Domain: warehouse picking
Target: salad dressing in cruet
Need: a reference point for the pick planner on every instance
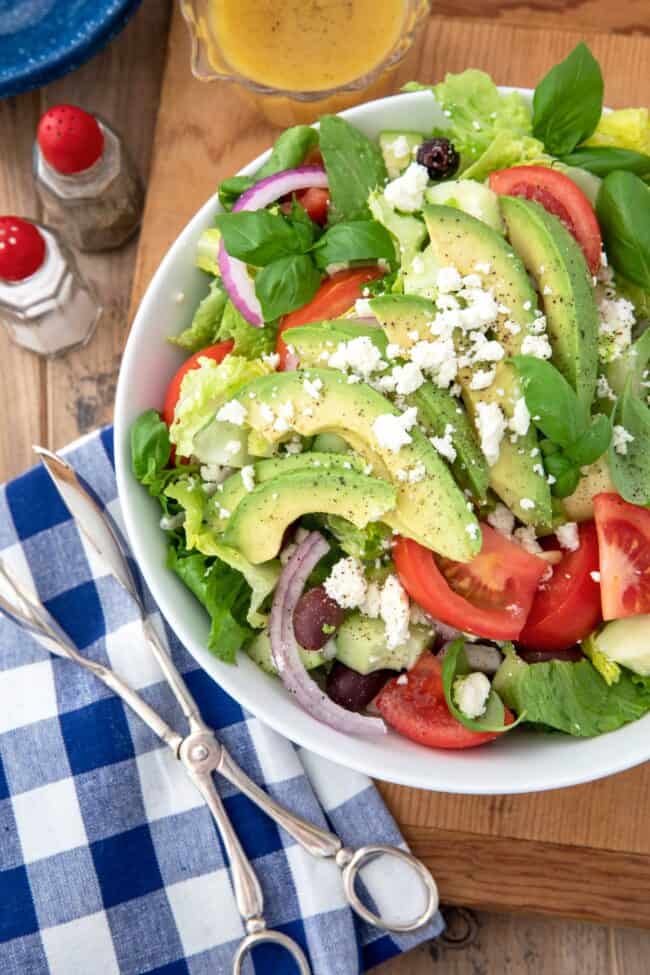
(305, 45)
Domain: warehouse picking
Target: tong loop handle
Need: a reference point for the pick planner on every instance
(274, 937)
(352, 862)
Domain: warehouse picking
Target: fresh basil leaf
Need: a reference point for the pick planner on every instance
(355, 166)
(358, 240)
(454, 665)
(568, 102)
(223, 592)
(259, 237)
(286, 284)
(602, 160)
(150, 451)
(623, 210)
(592, 443)
(566, 481)
(551, 401)
(631, 470)
(289, 151)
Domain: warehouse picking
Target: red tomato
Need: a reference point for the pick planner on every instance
(315, 200)
(332, 299)
(490, 596)
(216, 352)
(624, 546)
(567, 607)
(418, 710)
(560, 196)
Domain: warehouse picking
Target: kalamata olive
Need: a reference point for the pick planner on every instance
(352, 690)
(315, 618)
(571, 654)
(439, 156)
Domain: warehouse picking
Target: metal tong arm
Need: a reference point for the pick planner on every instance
(95, 526)
(21, 607)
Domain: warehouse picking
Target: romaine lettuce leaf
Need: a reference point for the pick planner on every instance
(207, 250)
(570, 697)
(249, 341)
(204, 390)
(200, 536)
(507, 150)
(628, 128)
(204, 327)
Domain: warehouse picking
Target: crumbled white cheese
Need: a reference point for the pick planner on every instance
(395, 612)
(371, 605)
(267, 413)
(313, 387)
(391, 430)
(408, 378)
(527, 504)
(471, 694)
(402, 680)
(448, 279)
(483, 267)
(491, 425)
(232, 412)
(272, 359)
(615, 331)
(620, 438)
(603, 389)
(568, 537)
(485, 350)
(417, 474)
(346, 584)
(360, 355)
(214, 473)
(406, 193)
(399, 147)
(482, 378)
(445, 445)
(502, 520)
(170, 523)
(526, 538)
(417, 264)
(362, 308)
(285, 416)
(520, 419)
(536, 345)
(248, 477)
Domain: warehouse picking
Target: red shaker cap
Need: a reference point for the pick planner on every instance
(22, 248)
(70, 139)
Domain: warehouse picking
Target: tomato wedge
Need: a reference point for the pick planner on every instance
(490, 596)
(334, 297)
(418, 710)
(216, 352)
(567, 607)
(624, 546)
(315, 201)
(558, 194)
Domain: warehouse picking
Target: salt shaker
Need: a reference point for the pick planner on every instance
(90, 189)
(45, 304)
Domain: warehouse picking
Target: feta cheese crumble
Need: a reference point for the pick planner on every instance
(615, 329)
(406, 193)
(346, 583)
(391, 430)
(567, 536)
(520, 419)
(445, 445)
(248, 477)
(360, 355)
(491, 424)
(536, 345)
(471, 694)
(620, 438)
(313, 387)
(502, 520)
(448, 279)
(232, 412)
(395, 612)
(527, 504)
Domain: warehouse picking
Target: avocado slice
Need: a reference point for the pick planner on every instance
(421, 273)
(233, 489)
(433, 510)
(557, 265)
(438, 410)
(408, 231)
(474, 198)
(402, 316)
(312, 343)
(460, 241)
(258, 523)
(259, 650)
(361, 645)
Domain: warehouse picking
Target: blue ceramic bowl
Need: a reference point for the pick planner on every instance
(40, 40)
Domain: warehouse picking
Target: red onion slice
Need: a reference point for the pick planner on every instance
(284, 648)
(236, 279)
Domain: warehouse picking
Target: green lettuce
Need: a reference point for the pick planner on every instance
(370, 542)
(507, 150)
(628, 128)
(207, 250)
(204, 390)
(250, 341)
(570, 697)
(204, 328)
(261, 579)
(476, 112)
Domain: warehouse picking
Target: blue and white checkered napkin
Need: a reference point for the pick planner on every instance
(109, 861)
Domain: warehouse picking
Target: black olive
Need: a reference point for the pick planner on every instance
(439, 156)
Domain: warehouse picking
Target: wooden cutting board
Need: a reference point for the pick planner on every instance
(582, 852)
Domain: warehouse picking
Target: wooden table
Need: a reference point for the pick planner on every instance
(52, 402)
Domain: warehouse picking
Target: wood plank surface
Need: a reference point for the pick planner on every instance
(498, 852)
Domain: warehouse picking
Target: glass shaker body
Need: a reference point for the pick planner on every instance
(98, 208)
(53, 310)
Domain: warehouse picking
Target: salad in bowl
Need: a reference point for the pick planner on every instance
(405, 464)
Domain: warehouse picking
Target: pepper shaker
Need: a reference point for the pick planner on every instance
(90, 189)
(45, 304)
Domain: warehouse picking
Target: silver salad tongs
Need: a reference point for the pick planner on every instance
(199, 751)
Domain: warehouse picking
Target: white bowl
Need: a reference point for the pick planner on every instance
(519, 762)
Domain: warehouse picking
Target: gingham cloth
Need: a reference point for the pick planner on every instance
(109, 861)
